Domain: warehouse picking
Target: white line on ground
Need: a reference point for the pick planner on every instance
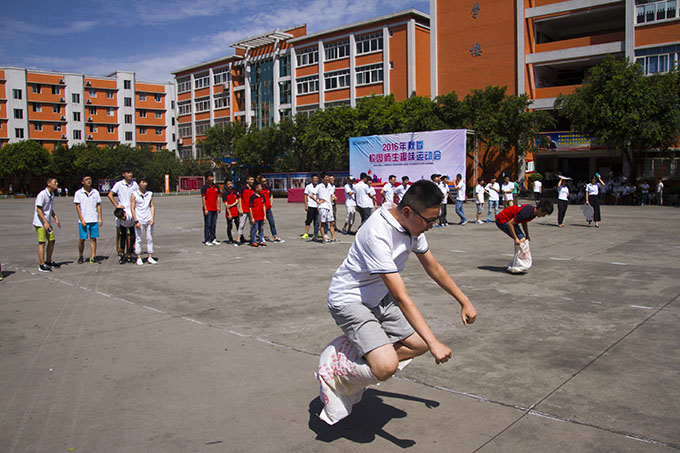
(559, 259)
(619, 264)
(507, 254)
(642, 307)
(458, 251)
(595, 302)
(567, 298)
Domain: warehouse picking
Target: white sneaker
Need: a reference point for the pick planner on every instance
(216, 242)
(140, 262)
(151, 260)
(479, 222)
(208, 243)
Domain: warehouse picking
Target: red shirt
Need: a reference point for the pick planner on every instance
(245, 199)
(211, 194)
(267, 194)
(230, 197)
(257, 206)
(519, 213)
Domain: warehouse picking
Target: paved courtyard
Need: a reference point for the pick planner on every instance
(215, 348)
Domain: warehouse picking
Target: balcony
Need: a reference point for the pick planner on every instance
(580, 42)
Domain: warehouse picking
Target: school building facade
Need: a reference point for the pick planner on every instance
(544, 48)
(64, 109)
(285, 73)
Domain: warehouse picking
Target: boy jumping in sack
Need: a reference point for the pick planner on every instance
(367, 298)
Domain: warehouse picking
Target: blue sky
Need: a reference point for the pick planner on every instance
(155, 37)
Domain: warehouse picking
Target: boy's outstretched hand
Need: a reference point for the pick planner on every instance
(441, 352)
(468, 314)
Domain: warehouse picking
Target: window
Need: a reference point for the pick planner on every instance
(56, 108)
(184, 130)
(158, 97)
(307, 56)
(128, 119)
(221, 102)
(159, 131)
(128, 136)
(285, 113)
(56, 89)
(92, 110)
(109, 94)
(76, 116)
(284, 92)
(658, 59)
(142, 96)
(221, 122)
(128, 102)
(57, 127)
(650, 11)
(174, 138)
(338, 49)
(308, 84)
(172, 120)
(201, 80)
(37, 107)
(142, 113)
(37, 126)
(93, 128)
(202, 104)
(221, 76)
(142, 131)
(77, 134)
(19, 132)
(370, 74)
(127, 84)
(337, 79)
(183, 85)
(16, 94)
(284, 66)
(110, 129)
(110, 111)
(18, 114)
(184, 107)
(36, 88)
(92, 93)
(75, 98)
(201, 127)
(369, 43)
(158, 115)
(172, 104)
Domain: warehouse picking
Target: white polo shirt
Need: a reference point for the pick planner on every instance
(350, 200)
(381, 246)
(479, 194)
(45, 200)
(311, 189)
(493, 194)
(563, 193)
(325, 192)
(537, 186)
(88, 204)
(445, 191)
(593, 189)
(460, 196)
(399, 191)
(143, 205)
(509, 187)
(389, 193)
(361, 191)
(124, 191)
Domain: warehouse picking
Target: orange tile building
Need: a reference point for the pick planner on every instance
(67, 109)
(285, 73)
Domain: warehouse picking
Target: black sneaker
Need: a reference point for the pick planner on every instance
(52, 264)
(122, 259)
(80, 260)
(44, 268)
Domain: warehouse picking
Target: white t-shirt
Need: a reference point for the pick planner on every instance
(388, 189)
(325, 192)
(593, 189)
(311, 189)
(460, 196)
(563, 193)
(143, 205)
(659, 187)
(537, 186)
(493, 194)
(445, 191)
(124, 191)
(399, 191)
(45, 200)
(479, 194)
(361, 191)
(88, 204)
(350, 197)
(381, 246)
(510, 186)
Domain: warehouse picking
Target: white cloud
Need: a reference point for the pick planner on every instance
(18, 27)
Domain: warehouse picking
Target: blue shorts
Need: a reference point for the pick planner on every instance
(91, 229)
(505, 228)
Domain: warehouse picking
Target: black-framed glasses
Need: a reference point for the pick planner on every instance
(429, 222)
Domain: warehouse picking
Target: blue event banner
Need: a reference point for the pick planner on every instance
(414, 154)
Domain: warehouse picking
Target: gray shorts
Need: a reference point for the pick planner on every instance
(369, 328)
(480, 208)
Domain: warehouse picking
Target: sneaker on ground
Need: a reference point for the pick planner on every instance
(479, 222)
(253, 244)
(151, 260)
(208, 243)
(278, 239)
(304, 236)
(263, 244)
(92, 260)
(122, 260)
(318, 236)
(44, 268)
(216, 242)
(139, 261)
(326, 241)
(52, 264)
(343, 231)
(464, 223)
(80, 260)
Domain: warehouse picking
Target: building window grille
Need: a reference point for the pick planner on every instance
(202, 80)
(307, 85)
(307, 56)
(367, 75)
(338, 79)
(337, 50)
(369, 43)
(183, 85)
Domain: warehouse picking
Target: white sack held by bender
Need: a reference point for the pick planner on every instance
(521, 262)
(343, 376)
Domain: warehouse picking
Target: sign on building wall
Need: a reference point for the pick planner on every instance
(413, 154)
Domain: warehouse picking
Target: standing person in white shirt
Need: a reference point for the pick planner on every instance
(143, 213)
(387, 192)
(507, 188)
(562, 200)
(42, 212)
(123, 190)
(479, 199)
(365, 199)
(494, 190)
(89, 210)
(350, 205)
(331, 181)
(659, 191)
(311, 208)
(538, 189)
(644, 188)
(460, 198)
(325, 194)
(446, 190)
(401, 189)
(593, 199)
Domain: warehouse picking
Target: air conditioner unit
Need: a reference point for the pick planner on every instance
(89, 101)
(89, 119)
(63, 136)
(88, 83)
(61, 100)
(61, 81)
(89, 137)
(225, 85)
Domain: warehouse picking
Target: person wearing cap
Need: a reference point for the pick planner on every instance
(350, 205)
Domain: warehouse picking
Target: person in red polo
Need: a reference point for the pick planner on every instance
(211, 207)
(268, 202)
(232, 203)
(257, 216)
(246, 192)
(510, 219)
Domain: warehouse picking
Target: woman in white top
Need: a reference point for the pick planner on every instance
(593, 198)
(562, 201)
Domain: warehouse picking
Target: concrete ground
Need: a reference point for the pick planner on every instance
(215, 348)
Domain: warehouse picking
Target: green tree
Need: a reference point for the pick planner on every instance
(24, 160)
(418, 113)
(220, 141)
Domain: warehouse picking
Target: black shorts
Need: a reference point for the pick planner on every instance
(311, 215)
